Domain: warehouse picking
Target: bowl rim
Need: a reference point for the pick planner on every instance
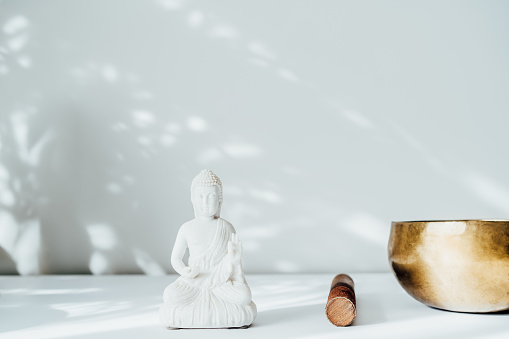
(451, 220)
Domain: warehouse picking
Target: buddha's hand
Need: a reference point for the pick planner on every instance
(234, 249)
(190, 272)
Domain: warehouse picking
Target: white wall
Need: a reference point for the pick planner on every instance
(325, 120)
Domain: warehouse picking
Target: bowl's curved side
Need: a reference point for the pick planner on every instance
(459, 266)
(404, 241)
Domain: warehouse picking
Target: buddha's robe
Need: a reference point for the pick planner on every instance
(214, 298)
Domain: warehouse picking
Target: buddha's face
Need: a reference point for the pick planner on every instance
(205, 201)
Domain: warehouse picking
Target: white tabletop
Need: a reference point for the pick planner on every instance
(289, 306)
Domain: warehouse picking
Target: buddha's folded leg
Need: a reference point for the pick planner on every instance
(234, 292)
(224, 312)
(180, 292)
(180, 301)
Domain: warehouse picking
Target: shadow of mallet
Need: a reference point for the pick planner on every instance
(340, 308)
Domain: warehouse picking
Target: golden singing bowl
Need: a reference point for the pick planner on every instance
(456, 265)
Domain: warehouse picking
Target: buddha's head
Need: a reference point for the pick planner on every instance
(207, 195)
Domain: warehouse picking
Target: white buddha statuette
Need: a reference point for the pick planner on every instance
(211, 291)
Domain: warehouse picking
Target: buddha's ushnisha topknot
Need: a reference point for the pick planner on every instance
(208, 178)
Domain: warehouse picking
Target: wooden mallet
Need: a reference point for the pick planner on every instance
(340, 308)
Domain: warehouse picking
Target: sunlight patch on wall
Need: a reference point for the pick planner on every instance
(109, 73)
(25, 61)
(367, 227)
(113, 188)
(418, 146)
(19, 125)
(242, 150)
(288, 75)
(196, 124)
(15, 24)
(224, 31)
(358, 119)
(261, 50)
(195, 19)
(487, 190)
(20, 130)
(167, 140)
(35, 153)
(170, 5)
(143, 118)
(101, 236)
(128, 179)
(265, 195)
(7, 197)
(119, 127)
(147, 264)
(26, 252)
(17, 43)
(98, 263)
